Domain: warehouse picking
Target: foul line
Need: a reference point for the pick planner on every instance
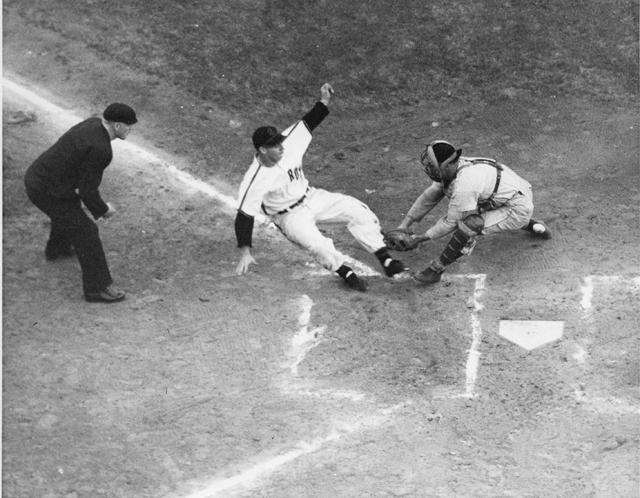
(261, 468)
(69, 119)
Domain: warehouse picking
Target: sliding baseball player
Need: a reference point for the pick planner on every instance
(275, 185)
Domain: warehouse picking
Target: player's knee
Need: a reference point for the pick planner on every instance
(474, 222)
(357, 213)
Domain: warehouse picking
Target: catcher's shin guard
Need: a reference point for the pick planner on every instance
(461, 243)
(463, 237)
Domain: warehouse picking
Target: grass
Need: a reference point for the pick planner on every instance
(248, 53)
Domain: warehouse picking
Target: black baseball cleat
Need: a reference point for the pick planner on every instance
(538, 229)
(428, 276)
(106, 295)
(355, 283)
(393, 267)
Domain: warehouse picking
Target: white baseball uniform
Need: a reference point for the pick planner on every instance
(283, 193)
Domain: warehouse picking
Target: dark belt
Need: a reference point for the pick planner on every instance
(296, 204)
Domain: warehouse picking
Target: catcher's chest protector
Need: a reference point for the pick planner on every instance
(488, 204)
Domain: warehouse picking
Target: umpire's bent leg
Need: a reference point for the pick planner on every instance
(82, 232)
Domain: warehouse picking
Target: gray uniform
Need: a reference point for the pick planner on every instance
(510, 207)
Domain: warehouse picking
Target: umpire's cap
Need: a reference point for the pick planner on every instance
(267, 136)
(120, 113)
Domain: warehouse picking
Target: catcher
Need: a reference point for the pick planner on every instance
(485, 197)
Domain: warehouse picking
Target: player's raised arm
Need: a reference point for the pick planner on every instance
(327, 92)
(320, 111)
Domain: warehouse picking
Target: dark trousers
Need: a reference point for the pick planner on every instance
(70, 226)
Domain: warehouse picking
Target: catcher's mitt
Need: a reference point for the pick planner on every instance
(400, 239)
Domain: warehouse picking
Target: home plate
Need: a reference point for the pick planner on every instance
(530, 334)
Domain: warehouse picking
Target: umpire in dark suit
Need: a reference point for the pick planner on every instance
(68, 174)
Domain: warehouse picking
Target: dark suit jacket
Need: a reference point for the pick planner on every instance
(72, 168)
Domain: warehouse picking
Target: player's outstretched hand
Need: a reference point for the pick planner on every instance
(110, 211)
(245, 260)
(327, 92)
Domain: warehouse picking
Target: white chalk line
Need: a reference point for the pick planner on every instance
(609, 404)
(249, 476)
(262, 468)
(474, 352)
(606, 405)
(304, 340)
(473, 358)
(588, 286)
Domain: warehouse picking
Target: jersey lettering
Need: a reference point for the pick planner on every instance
(294, 174)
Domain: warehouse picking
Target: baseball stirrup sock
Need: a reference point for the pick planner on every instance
(344, 271)
(382, 255)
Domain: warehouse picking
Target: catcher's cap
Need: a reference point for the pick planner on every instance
(440, 153)
(267, 136)
(120, 113)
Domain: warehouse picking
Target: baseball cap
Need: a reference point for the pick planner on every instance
(267, 136)
(120, 113)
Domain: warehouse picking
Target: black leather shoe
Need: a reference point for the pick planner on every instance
(393, 267)
(538, 229)
(355, 283)
(428, 276)
(106, 295)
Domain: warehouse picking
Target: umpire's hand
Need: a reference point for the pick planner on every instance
(110, 212)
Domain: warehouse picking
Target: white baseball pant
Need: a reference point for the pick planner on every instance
(299, 225)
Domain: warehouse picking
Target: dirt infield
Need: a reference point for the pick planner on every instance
(282, 383)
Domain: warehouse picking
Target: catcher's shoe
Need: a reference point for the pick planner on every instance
(539, 229)
(393, 267)
(355, 283)
(428, 276)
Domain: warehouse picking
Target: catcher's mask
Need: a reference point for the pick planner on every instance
(439, 159)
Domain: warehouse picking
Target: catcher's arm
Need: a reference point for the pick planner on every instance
(423, 205)
(402, 237)
(419, 239)
(406, 223)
